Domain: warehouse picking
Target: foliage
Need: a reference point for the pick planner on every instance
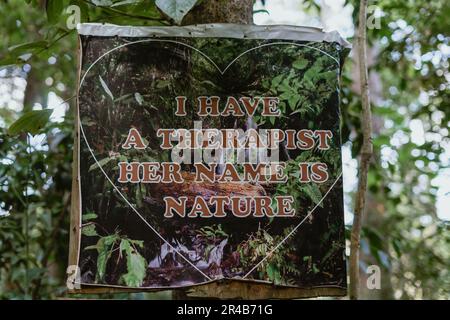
(35, 184)
(280, 267)
(298, 89)
(31, 122)
(410, 85)
(106, 246)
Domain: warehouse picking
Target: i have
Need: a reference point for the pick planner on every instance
(238, 107)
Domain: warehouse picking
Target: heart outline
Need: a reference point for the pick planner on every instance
(222, 72)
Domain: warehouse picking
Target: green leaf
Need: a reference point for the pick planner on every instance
(374, 237)
(89, 216)
(315, 269)
(54, 9)
(32, 122)
(139, 243)
(300, 64)
(293, 100)
(313, 192)
(272, 120)
(161, 84)
(89, 230)
(124, 97)
(276, 81)
(285, 86)
(176, 9)
(139, 98)
(136, 264)
(109, 240)
(397, 247)
(124, 2)
(125, 245)
(102, 3)
(102, 260)
(106, 88)
(27, 47)
(104, 248)
(274, 273)
(136, 267)
(91, 247)
(100, 163)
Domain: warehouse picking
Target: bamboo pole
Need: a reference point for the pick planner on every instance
(366, 151)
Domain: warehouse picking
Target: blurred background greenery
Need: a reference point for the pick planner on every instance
(406, 228)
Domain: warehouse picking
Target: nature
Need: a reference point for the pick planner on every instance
(405, 227)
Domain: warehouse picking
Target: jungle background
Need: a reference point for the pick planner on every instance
(406, 225)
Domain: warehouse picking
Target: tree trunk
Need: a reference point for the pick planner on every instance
(221, 11)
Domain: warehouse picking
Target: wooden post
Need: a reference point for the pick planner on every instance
(74, 237)
(366, 151)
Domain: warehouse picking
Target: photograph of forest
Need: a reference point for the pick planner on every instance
(134, 86)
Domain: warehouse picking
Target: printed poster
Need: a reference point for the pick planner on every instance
(210, 152)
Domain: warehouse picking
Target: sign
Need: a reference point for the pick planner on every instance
(206, 153)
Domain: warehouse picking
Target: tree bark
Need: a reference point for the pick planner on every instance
(221, 11)
(366, 152)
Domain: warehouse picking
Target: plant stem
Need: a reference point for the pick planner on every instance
(366, 152)
(27, 238)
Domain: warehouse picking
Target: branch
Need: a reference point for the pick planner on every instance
(366, 152)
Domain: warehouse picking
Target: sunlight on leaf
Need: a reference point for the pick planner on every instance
(106, 88)
(31, 122)
(176, 9)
